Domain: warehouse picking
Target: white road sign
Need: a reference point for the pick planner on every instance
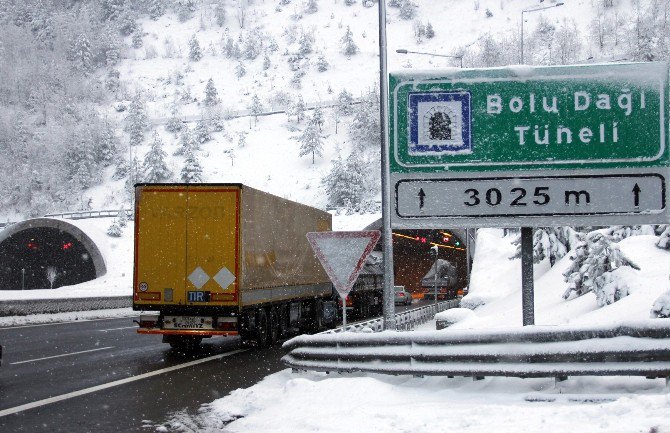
(342, 255)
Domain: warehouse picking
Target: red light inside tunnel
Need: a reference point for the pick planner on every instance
(67, 246)
(32, 245)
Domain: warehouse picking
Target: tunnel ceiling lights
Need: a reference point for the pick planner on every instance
(423, 240)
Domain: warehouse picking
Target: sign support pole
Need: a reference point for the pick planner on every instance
(344, 313)
(527, 284)
(387, 236)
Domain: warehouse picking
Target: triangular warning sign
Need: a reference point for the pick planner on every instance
(342, 255)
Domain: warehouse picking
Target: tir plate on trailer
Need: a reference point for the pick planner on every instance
(187, 322)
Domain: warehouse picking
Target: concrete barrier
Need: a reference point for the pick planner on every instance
(48, 306)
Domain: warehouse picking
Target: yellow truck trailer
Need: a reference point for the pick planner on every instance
(227, 259)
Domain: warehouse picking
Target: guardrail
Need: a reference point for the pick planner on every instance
(404, 321)
(630, 349)
(79, 215)
(25, 307)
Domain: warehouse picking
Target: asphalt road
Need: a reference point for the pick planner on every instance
(102, 376)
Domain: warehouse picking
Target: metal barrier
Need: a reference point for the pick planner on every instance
(630, 349)
(79, 215)
(404, 321)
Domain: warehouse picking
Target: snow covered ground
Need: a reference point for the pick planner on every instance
(316, 402)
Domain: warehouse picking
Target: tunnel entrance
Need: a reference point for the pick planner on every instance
(413, 257)
(43, 254)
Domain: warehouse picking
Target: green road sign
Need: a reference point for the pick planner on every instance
(524, 128)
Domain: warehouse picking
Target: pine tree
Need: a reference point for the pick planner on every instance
(126, 22)
(311, 7)
(82, 56)
(407, 9)
(106, 145)
(311, 141)
(317, 118)
(122, 218)
(349, 47)
(194, 51)
(256, 107)
(298, 108)
(266, 63)
(345, 183)
(220, 13)
(192, 170)
(344, 103)
(136, 120)
(322, 64)
(201, 133)
(240, 70)
(114, 230)
(156, 9)
(211, 95)
(154, 167)
(305, 44)
(430, 32)
(186, 142)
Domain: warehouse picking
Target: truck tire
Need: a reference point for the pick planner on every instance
(261, 329)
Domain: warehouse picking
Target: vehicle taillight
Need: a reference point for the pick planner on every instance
(401, 294)
(226, 324)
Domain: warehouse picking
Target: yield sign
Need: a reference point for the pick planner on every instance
(342, 255)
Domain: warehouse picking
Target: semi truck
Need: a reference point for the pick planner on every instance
(226, 260)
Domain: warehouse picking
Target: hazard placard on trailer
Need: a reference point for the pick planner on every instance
(342, 255)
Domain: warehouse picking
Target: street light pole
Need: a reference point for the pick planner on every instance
(404, 51)
(533, 10)
(387, 238)
(435, 251)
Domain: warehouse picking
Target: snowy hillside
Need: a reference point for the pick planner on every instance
(113, 78)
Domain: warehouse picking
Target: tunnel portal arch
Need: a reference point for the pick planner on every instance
(412, 258)
(29, 248)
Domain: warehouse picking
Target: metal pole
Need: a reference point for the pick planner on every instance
(467, 255)
(344, 313)
(23, 278)
(522, 37)
(387, 236)
(527, 285)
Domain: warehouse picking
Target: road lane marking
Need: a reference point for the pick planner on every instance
(81, 392)
(6, 328)
(115, 329)
(61, 355)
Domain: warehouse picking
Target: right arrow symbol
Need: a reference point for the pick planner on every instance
(636, 191)
(422, 195)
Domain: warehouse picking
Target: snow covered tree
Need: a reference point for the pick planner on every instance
(430, 32)
(240, 70)
(82, 55)
(311, 7)
(592, 269)
(241, 139)
(211, 95)
(317, 118)
(256, 107)
(154, 167)
(194, 51)
(122, 218)
(106, 146)
(345, 184)
(184, 9)
(664, 240)
(136, 121)
(344, 103)
(550, 243)
(661, 307)
(305, 44)
(407, 9)
(364, 129)
(137, 40)
(201, 133)
(220, 13)
(192, 170)
(297, 108)
(266, 62)
(186, 142)
(349, 47)
(322, 64)
(311, 140)
(155, 8)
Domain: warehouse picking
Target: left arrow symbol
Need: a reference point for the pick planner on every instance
(422, 195)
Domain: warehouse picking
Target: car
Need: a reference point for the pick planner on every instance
(402, 296)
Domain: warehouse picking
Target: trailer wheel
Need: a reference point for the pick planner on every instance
(261, 329)
(273, 327)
